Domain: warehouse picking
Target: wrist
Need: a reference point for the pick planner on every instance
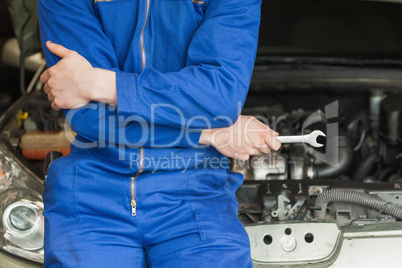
(205, 137)
(105, 89)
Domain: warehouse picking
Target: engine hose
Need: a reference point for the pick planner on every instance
(354, 197)
(345, 157)
(365, 166)
(386, 173)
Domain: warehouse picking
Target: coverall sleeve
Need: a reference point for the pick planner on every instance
(215, 81)
(74, 25)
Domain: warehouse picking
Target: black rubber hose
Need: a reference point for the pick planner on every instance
(345, 157)
(365, 166)
(386, 172)
(354, 197)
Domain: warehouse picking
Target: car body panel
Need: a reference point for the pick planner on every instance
(10, 261)
(356, 246)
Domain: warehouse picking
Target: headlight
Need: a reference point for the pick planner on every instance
(21, 207)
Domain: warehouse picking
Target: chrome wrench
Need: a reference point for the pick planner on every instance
(308, 138)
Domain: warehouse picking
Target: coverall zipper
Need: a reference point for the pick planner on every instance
(133, 202)
(142, 38)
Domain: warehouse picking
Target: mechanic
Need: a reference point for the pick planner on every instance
(154, 90)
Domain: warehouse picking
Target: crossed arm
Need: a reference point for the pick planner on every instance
(74, 81)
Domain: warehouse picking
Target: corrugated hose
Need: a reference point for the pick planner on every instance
(354, 197)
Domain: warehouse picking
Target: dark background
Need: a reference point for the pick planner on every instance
(8, 75)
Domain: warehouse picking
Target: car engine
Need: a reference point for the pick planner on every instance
(355, 178)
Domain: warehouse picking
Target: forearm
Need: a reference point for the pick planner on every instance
(208, 92)
(100, 123)
(57, 19)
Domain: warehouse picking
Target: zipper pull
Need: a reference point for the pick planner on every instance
(133, 203)
(133, 208)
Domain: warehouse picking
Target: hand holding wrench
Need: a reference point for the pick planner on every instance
(309, 138)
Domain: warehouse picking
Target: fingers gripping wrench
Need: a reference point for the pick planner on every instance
(309, 138)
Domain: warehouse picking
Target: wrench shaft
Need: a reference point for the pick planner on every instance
(290, 139)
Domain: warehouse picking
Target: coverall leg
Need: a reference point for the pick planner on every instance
(183, 218)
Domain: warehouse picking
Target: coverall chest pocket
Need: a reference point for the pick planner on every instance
(176, 21)
(199, 6)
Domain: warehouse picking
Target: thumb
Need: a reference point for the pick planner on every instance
(57, 50)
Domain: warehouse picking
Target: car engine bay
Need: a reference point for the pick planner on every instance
(362, 186)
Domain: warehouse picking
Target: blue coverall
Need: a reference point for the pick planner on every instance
(181, 66)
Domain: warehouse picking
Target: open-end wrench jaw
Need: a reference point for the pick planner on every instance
(312, 139)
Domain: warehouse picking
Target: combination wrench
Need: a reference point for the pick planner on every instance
(308, 138)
